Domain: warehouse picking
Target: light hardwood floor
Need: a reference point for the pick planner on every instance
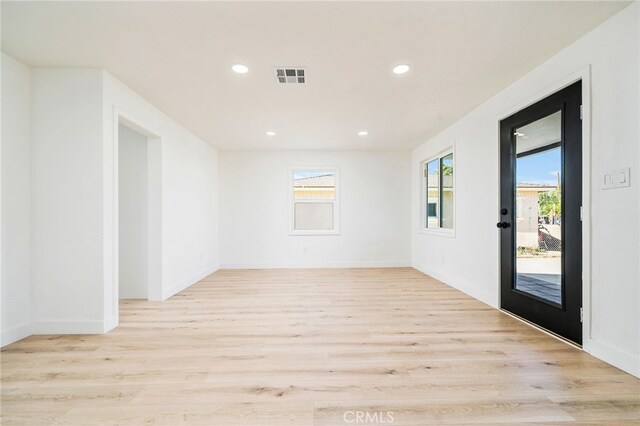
(304, 347)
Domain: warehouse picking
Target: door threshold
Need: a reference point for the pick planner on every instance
(544, 330)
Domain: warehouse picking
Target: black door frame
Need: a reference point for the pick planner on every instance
(566, 319)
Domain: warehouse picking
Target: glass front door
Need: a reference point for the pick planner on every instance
(538, 212)
(540, 215)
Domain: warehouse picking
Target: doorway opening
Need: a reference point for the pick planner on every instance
(133, 214)
(541, 213)
(139, 229)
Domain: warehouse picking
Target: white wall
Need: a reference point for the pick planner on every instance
(374, 201)
(133, 213)
(74, 199)
(16, 200)
(67, 200)
(470, 260)
(188, 178)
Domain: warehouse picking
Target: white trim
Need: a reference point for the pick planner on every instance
(465, 287)
(587, 206)
(134, 123)
(69, 327)
(623, 360)
(110, 323)
(583, 74)
(13, 334)
(154, 194)
(310, 233)
(154, 219)
(193, 279)
(441, 232)
(422, 229)
(335, 202)
(316, 265)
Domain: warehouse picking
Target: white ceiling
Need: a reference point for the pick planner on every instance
(178, 55)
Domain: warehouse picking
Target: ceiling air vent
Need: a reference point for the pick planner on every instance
(291, 75)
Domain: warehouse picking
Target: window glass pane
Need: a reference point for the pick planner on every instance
(314, 185)
(313, 216)
(433, 194)
(538, 193)
(446, 171)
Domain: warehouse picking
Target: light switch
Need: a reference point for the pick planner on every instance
(616, 178)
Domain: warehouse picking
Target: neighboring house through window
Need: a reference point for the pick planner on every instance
(438, 194)
(314, 202)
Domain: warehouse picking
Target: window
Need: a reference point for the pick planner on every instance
(433, 193)
(438, 195)
(314, 202)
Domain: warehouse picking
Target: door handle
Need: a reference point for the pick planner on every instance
(503, 225)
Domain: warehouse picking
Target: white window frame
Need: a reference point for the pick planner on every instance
(445, 232)
(335, 201)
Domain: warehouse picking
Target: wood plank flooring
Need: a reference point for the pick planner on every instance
(312, 347)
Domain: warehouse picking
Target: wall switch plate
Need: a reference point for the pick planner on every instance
(619, 178)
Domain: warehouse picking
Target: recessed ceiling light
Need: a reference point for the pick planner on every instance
(240, 69)
(401, 69)
(363, 133)
(270, 133)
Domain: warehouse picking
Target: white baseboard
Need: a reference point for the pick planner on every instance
(69, 327)
(315, 265)
(109, 324)
(177, 288)
(623, 360)
(13, 334)
(466, 288)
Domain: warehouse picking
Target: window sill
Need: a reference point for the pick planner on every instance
(309, 233)
(450, 233)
